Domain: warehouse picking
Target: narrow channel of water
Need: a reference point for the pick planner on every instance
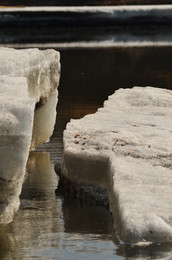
(52, 222)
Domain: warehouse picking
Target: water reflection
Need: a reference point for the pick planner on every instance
(152, 251)
(9, 198)
(38, 225)
(8, 245)
(103, 36)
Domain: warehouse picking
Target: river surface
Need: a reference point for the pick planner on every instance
(80, 2)
(52, 222)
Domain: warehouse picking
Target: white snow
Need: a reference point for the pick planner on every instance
(126, 147)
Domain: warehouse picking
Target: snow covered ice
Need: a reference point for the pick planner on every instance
(28, 83)
(126, 148)
(16, 123)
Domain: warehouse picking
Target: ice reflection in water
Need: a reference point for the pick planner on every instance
(8, 245)
(38, 225)
(154, 251)
(39, 230)
(9, 198)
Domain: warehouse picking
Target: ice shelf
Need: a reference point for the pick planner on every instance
(126, 148)
(16, 123)
(42, 71)
(41, 68)
(28, 84)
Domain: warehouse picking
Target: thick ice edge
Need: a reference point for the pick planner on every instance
(16, 123)
(42, 71)
(28, 84)
(126, 148)
(41, 68)
(108, 9)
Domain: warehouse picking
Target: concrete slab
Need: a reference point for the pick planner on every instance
(126, 148)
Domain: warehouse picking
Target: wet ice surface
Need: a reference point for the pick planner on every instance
(52, 223)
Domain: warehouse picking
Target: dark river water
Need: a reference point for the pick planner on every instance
(52, 222)
(80, 2)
